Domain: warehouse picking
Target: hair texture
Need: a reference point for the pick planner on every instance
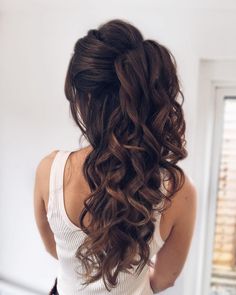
(124, 96)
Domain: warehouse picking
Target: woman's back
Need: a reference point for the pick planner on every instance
(58, 179)
(124, 96)
(65, 202)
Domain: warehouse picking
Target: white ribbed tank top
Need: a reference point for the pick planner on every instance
(68, 237)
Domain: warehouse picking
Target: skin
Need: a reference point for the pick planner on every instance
(176, 226)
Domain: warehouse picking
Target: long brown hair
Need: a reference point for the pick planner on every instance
(124, 96)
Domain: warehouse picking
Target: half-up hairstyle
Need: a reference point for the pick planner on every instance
(124, 96)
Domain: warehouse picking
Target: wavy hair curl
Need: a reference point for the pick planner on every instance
(124, 96)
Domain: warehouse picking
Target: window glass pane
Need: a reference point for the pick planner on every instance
(223, 278)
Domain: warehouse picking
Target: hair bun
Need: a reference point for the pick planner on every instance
(94, 33)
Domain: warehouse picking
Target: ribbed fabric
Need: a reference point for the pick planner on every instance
(68, 237)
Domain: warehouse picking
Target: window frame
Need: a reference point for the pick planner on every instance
(220, 92)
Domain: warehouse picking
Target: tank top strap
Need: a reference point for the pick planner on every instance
(159, 242)
(157, 232)
(56, 180)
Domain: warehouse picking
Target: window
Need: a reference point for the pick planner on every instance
(223, 270)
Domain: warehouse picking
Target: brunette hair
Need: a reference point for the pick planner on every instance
(124, 96)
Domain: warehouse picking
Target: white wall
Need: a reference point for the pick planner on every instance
(36, 39)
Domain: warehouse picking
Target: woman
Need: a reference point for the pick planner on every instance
(119, 214)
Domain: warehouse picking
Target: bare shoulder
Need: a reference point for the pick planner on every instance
(180, 223)
(42, 172)
(45, 163)
(185, 200)
(188, 192)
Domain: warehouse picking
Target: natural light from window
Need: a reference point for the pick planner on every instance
(223, 278)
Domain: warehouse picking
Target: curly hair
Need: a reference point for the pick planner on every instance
(124, 96)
